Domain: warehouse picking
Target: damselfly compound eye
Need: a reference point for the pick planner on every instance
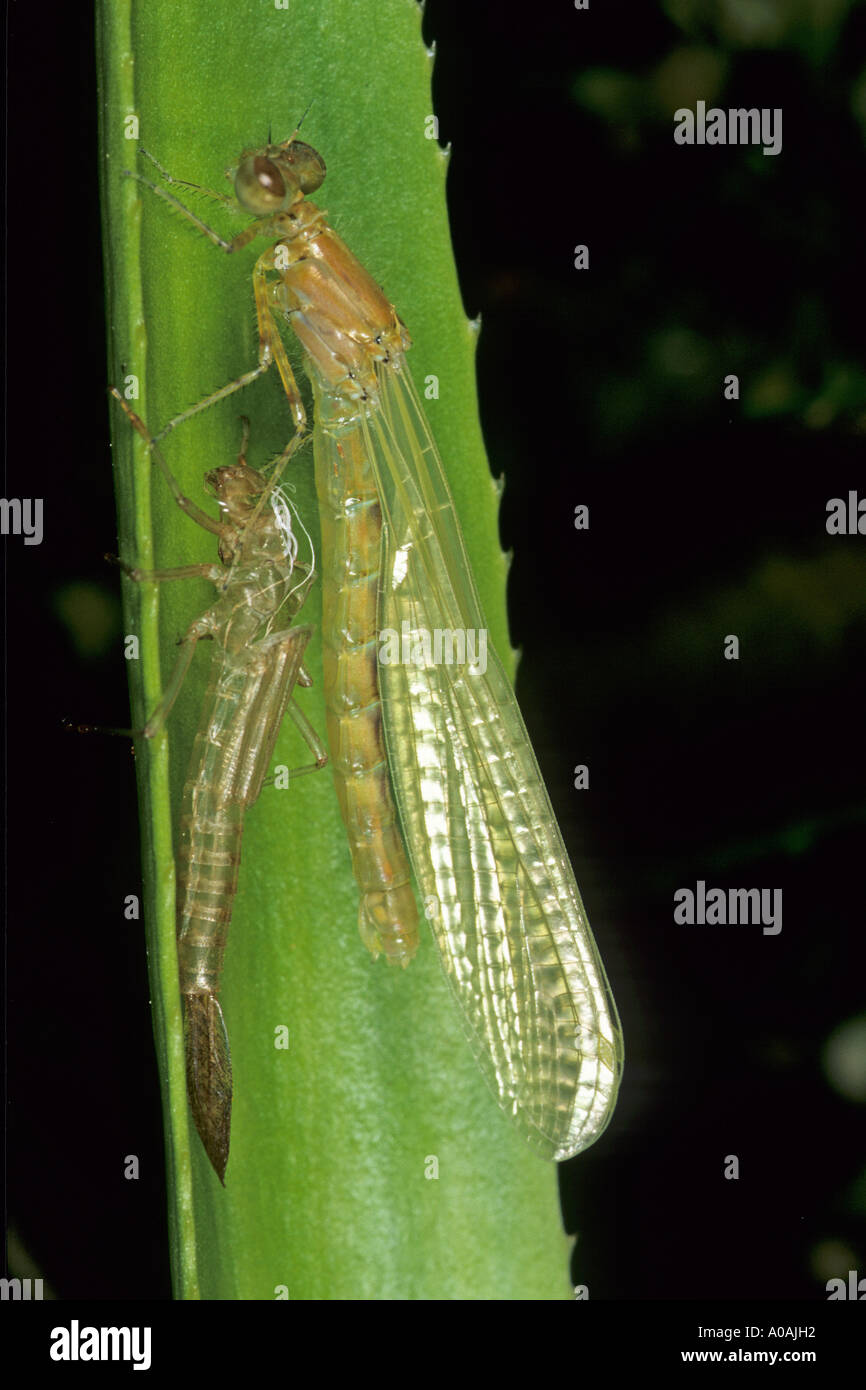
(260, 187)
(308, 166)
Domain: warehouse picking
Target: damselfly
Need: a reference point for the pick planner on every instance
(487, 854)
(261, 585)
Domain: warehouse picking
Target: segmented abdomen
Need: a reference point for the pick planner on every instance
(211, 827)
(351, 540)
(244, 707)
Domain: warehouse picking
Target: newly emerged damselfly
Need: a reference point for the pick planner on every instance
(257, 662)
(487, 854)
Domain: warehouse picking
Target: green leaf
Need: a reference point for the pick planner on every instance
(368, 1159)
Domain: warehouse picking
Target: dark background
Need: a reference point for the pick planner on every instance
(707, 517)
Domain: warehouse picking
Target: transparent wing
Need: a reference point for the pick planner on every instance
(485, 848)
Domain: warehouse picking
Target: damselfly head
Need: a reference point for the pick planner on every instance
(274, 179)
(235, 487)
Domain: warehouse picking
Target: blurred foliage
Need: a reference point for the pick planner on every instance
(812, 26)
(750, 234)
(91, 617)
